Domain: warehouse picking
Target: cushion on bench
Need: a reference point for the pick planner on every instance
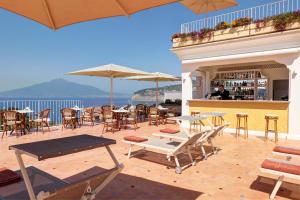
(133, 138)
(281, 167)
(170, 131)
(8, 176)
(288, 150)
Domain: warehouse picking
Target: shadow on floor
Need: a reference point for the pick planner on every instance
(126, 187)
(287, 190)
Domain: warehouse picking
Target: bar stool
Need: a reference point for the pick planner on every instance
(197, 124)
(217, 120)
(274, 118)
(239, 118)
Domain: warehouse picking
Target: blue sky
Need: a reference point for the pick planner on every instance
(31, 53)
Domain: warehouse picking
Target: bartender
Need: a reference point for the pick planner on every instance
(221, 93)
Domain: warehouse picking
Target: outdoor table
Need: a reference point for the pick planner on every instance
(46, 149)
(120, 113)
(24, 114)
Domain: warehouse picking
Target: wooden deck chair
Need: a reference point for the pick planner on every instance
(287, 152)
(86, 189)
(171, 148)
(184, 136)
(281, 168)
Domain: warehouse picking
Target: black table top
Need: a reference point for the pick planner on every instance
(62, 146)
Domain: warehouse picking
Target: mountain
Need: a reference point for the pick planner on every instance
(56, 88)
(151, 91)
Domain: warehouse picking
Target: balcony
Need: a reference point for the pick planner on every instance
(269, 18)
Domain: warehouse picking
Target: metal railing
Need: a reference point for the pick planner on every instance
(257, 12)
(39, 105)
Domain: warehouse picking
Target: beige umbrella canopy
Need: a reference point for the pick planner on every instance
(111, 71)
(205, 6)
(155, 77)
(59, 13)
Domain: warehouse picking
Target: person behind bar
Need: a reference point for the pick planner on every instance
(221, 93)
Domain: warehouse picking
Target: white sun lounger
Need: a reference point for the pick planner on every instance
(185, 136)
(171, 148)
(288, 156)
(281, 175)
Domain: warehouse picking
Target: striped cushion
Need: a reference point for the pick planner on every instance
(281, 166)
(288, 150)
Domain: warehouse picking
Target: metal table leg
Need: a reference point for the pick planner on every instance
(25, 176)
(113, 156)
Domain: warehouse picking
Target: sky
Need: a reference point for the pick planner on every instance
(31, 53)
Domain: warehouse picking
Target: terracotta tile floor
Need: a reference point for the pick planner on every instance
(231, 174)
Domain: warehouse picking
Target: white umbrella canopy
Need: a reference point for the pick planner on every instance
(205, 6)
(110, 71)
(56, 14)
(155, 77)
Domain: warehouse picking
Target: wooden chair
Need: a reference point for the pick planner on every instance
(170, 113)
(11, 120)
(153, 116)
(98, 113)
(68, 117)
(132, 119)
(42, 120)
(88, 115)
(141, 112)
(108, 120)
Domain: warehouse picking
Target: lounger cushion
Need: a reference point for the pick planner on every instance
(168, 130)
(288, 150)
(281, 167)
(133, 138)
(7, 177)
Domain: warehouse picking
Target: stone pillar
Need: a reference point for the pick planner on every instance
(187, 91)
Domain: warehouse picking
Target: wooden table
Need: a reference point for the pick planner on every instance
(46, 149)
(119, 114)
(24, 114)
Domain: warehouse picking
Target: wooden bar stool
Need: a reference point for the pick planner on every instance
(239, 118)
(274, 118)
(217, 120)
(195, 126)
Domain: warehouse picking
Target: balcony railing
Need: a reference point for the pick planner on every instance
(39, 105)
(257, 12)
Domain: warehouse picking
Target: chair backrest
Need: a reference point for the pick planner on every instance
(10, 115)
(107, 114)
(153, 111)
(44, 114)
(68, 112)
(97, 109)
(89, 111)
(106, 107)
(199, 137)
(140, 107)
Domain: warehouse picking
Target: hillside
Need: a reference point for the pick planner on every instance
(150, 91)
(56, 88)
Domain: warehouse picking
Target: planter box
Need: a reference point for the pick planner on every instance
(232, 33)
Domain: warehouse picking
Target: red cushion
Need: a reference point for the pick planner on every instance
(7, 176)
(135, 139)
(288, 150)
(168, 130)
(281, 166)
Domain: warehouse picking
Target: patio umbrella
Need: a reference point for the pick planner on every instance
(155, 77)
(205, 6)
(111, 71)
(59, 13)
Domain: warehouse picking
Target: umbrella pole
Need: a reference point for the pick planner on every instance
(156, 93)
(111, 92)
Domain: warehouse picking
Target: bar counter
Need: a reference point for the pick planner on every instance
(256, 110)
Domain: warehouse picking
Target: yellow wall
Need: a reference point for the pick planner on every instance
(256, 111)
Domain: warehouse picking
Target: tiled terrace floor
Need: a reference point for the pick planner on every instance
(231, 174)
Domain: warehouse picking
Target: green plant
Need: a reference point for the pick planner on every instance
(222, 26)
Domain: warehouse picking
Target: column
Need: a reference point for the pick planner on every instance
(187, 91)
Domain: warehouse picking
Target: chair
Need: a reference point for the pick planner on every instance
(282, 169)
(108, 120)
(141, 112)
(87, 115)
(181, 136)
(11, 119)
(98, 113)
(170, 113)
(132, 119)
(171, 149)
(153, 116)
(68, 117)
(42, 120)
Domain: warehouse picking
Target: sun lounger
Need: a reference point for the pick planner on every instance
(182, 136)
(171, 148)
(282, 169)
(288, 152)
